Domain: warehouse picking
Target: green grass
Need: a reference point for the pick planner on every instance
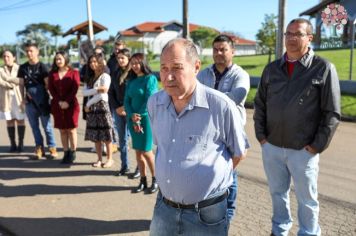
(348, 103)
(340, 58)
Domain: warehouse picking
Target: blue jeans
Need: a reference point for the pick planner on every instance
(231, 198)
(282, 164)
(210, 220)
(123, 135)
(34, 115)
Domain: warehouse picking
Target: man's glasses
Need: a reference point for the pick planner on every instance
(297, 34)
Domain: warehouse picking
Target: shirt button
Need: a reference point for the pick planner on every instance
(169, 161)
(177, 119)
(168, 181)
(173, 140)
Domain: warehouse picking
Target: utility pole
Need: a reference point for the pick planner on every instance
(281, 27)
(185, 20)
(90, 21)
(352, 23)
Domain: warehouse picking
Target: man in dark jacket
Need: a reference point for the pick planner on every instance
(297, 110)
(112, 62)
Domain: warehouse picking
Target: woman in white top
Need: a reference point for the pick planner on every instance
(11, 106)
(99, 121)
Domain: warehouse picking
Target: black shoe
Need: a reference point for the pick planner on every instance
(13, 148)
(122, 172)
(142, 186)
(21, 133)
(154, 186)
(72, 156)
(65, 159)
(11, 133)
(136, 174)
(20, 147)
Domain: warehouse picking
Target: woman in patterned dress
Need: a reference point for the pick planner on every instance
(99, 121)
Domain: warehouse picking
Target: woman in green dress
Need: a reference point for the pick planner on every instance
(141, 85)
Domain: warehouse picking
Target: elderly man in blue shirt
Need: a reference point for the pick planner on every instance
(232, 80)
(200, 139)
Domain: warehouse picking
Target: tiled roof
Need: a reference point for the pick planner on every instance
(240, 41)
(151, 27)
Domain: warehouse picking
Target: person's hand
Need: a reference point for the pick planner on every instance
(64, 105)
(86, 109)
(137, 127)
(23, 105)
(135, 117)
(121, 111)
(102, 89)
(263, 141)
(311, 149)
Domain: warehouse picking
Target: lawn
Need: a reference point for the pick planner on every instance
(340, 58)
(348, 103)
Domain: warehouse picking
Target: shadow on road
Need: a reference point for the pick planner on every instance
(43, 189)
(76, 226)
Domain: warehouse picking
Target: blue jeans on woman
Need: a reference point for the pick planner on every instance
(34, 115)
(282, 164)
(123, 134)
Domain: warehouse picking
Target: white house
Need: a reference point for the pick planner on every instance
(155, 35)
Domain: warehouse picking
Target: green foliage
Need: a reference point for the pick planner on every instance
(266, 36)
(134, 45)
(72, 43)
(41, 33)
(150, 56)
(204, 36)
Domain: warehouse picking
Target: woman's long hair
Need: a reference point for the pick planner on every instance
(124, 74)
(91, 73)
(65, 55)
(145, 68)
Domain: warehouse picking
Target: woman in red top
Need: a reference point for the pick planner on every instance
(63, 84)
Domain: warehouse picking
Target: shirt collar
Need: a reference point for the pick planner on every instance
(198, 99)
(305, 60)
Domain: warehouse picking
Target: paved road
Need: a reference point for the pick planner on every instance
(46, 198)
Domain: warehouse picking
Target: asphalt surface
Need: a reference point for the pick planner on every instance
(43, 197)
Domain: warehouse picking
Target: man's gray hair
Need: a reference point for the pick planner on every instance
(190, 48)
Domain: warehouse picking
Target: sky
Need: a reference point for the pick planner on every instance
(242, 17)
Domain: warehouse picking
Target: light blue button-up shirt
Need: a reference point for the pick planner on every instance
(195, 148)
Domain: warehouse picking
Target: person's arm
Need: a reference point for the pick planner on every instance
(330, 109)
(3, 83)
(151, 88)
(127, 102)
(240, 87)
(259, 115)
(9, 78)
(75, 82)
(103, 83)
(233, 134)
(52, 89)
(114, 104)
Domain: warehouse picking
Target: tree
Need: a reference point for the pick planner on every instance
(204, 36)
(266, 36)
(41, 33)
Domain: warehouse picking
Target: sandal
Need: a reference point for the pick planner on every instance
(97, 164)
(108, 164)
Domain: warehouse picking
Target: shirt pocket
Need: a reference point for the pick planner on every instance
(195, 147)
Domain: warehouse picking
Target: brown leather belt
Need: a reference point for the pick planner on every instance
(201, 204)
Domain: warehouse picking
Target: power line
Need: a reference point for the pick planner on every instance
(25, 4)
